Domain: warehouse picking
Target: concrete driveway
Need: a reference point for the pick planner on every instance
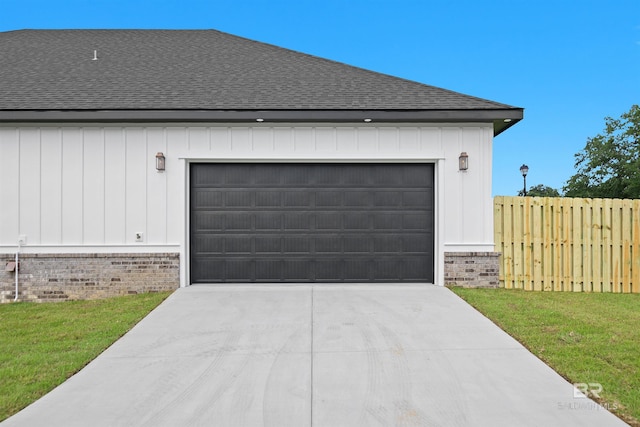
(315, 355)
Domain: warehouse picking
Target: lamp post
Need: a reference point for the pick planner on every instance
(524, 169)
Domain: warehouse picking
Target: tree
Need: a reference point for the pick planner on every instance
(609, 165)
(540, 190)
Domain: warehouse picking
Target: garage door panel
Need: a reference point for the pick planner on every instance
(387, 176)
(356, 244)
(203, 221)
(415, 267)
(202, 177)
(328, 221)
(388, 268)
(387, 221)
(298, 221)
(238, 245)
(269, 270)
(328, 199)
(357, 199)
(297, 199)
(390, 199)
(356, 269)
(413, 175)
(268, 199)
(357, 175)
(268, 244)
(205, 198)
(270, 174)
(296, 174)
(387, 243)
(268, 221)
(238, 176)
(208, 244)
(415, 221)
(356, 221)
(205, 266)
(298, 270)
(311, 222)
(294, 245)
(329, 176)
(238, 199)
(417, 243)
(329, 269)
(239, 269)
(416, 199)
(235, 221)
(328, 244)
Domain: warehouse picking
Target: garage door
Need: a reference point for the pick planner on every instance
(311, 222)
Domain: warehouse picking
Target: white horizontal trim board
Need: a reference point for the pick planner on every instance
(90, 186)
(71, 249)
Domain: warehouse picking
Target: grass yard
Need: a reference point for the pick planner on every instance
(44, 344)
(585, 337)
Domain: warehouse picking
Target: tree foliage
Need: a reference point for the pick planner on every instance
(609, 164)
(540, 190)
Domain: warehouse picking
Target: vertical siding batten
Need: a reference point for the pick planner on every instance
(93, 185)
(115, 186)
(30, 190)
(9, 186)
(51, 188)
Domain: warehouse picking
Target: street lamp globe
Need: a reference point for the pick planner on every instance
(524, 170)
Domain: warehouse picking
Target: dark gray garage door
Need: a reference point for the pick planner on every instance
(312, 223)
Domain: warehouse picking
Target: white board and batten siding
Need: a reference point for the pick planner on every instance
(92, 188)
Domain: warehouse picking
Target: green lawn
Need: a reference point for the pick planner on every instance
(586, 338)
(44, 344)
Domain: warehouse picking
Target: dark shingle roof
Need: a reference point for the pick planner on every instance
(54, 70)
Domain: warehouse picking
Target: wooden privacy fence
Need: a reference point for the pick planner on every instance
(568, 244)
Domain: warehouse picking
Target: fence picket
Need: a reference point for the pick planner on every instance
(607, 256)
(577, 258)
(537, 276)
(596, 246)
(518, 234)
(507, 255)
(626, 246)
(567, 253)
(635, 249)
(558, 233)
(616, 250)
(498, 223)
(587, 245)
(548, 244)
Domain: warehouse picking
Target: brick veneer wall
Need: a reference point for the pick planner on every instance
(472, 269)
(59, 277)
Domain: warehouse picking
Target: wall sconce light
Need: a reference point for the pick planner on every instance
(160, 160)
(463, 161)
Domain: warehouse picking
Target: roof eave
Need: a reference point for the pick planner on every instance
(502, 119)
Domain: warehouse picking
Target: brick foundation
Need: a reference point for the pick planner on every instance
(471, 269)
(59, 277)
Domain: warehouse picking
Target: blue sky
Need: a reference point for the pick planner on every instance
(569, 63)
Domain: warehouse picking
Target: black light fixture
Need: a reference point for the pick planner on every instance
(524, 170)
(463, 161)
(160, 161)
